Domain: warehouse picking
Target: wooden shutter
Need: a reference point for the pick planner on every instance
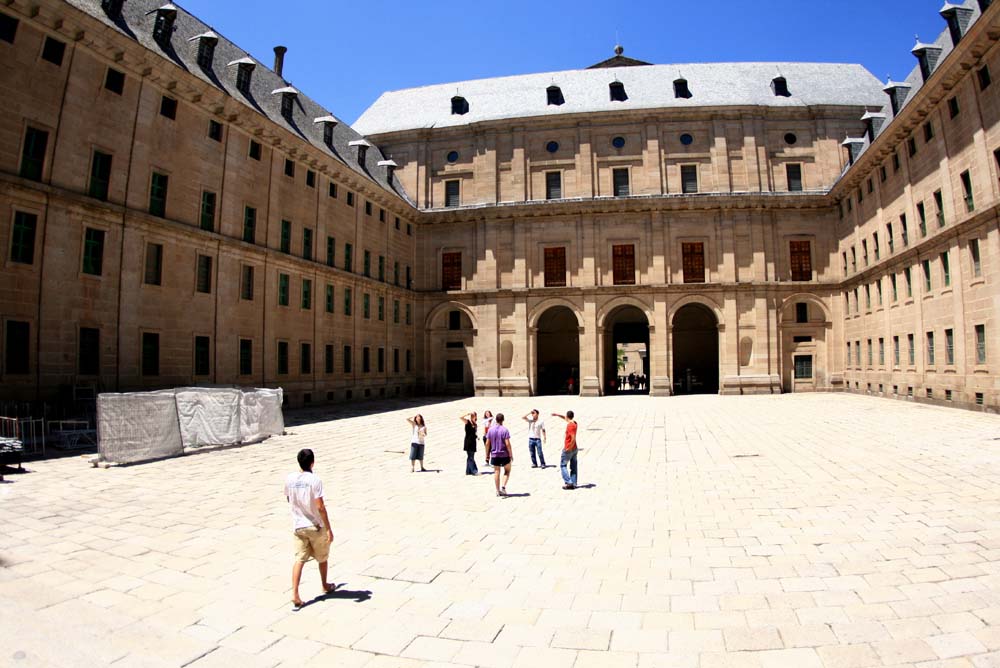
(555, 267)
(451, 271)
(800, 260)
(623, 264)
(693, 262)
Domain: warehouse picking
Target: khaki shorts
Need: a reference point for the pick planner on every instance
(312, 542)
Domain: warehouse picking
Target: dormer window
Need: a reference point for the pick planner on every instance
(243, 74)
(554, 95)
(113, 8)
(390, 167)
(459, 105)
(681, 89)
(288, 95)
(206, 49)
(163, 28)
(362, 146)
(329, 122)
(617, 91)
(780, 87)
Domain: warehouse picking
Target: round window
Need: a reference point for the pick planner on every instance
(687, 139)
(452, 156)
(552, 146)
(618, 142)
(790, 138)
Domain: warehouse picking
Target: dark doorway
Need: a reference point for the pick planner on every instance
(696, 350)
(558, 349)
(626, 351)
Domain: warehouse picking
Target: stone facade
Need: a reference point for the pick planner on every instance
(504, 256)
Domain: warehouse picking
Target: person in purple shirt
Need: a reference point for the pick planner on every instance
(501, 454)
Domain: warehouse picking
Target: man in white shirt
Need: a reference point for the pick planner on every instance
(536, 434)
(313, 535)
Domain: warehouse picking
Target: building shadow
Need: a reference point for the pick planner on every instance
(362, 408)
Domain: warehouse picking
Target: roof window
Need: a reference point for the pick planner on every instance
(459, 105)
(288, 95)
(681, 89)
(958, 18)
(617, 91)
(618, 142)
(113, 8)
(554, 95)
(928, 56)
(244, 69)
(552, 147)
(780, 87)
(452, 156)
(206, 48)
(163, 28)
(390, 167)
(329, 123)
(687, 139)
(362, 146)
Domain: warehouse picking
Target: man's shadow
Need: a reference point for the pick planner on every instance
(358, 596)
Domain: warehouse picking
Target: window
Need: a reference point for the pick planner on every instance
(451, 193)
(381, 268)
(150, 354)
(305, 358)
(348, 359)
(881, 351)
(285, 243)
(246, 357)
(306, 294)
(451, 271)
(215, 130)
(163, 28)
(945, 269)
(794, 177)
(17, 347)
(168, 107)
(454, 371)
(206, 49)
(282, 289)
(282, 357)
(780, 87)
(350, 199)
(33, 154)
(409, 277)
(368, 208)
(895, 292)
(911, 146)
(409, 230)
(381, 215)
(158, 194)
(926, 265)
(349, 257)
(255, 150)
(910, 349)
(289, 168)
(246, 283)
(801, 260)
(895, 162)
(409, 360)
(689, 178)
(331, 251)
(366, 361)
(882, 174)
(22, 242)
(555, 267)
(871, 186)
(922, 217)
(928, 131)
(623, 264)
(869, 349)
(953, 109)
(930, 348)
(889, 238)
(801, 312)
(307, 243)
(395, 360)
(8, 28)
(381, 308)
(329, 299)
(114, 81)
(243, 74)
(980, 344)
(875, 246)
(409, 314)
(616, 90)
(89, 352)
(381, 360)
(843, 257)
(854, 259)
(554, 96)
(154, 264)
(949, 346)
(53, 51)
(619, 179)
(895, 351)
(803, 367)
(681, 89)
(868, 297)
(93, 251)
(202, 356)
(395, 311)
(328, 359)
(939, 206)
(983, 74)
(366, 306)
(970, 203)
(977, 264)
(310, 178)
(553, 185)
(347, 301)
(693, 261)
(367, 265)
(395, 273)
(454, 320)
(908, 281)
(333, 190)
(459, 106)
(100, 176)
(204, 282)
(249, 224)
(208, 211)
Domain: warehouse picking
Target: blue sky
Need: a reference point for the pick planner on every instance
(344, 54)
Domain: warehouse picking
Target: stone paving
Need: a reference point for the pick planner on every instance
(709, 532)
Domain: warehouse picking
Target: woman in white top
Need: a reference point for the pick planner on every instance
(417, 441)
(487, 423)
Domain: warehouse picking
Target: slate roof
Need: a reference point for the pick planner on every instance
(648, 87)
(136, 22)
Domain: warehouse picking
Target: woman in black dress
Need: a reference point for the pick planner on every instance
(470, 443)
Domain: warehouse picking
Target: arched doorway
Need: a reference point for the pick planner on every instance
(696, 350)
(450, 344)
(626, 351)
(558, 352)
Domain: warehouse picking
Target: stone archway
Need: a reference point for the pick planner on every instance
(695, 350)
(557, 356)
(450, 350)
(626, 347)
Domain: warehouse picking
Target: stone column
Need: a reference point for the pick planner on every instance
(660, 381)
(590, 341)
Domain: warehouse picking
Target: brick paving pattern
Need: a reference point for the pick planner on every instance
(709, 532)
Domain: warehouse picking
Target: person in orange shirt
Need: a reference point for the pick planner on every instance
(569, 451)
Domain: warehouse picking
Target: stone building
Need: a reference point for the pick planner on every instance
(759, 227)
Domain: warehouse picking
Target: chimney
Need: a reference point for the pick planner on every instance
(958, 18)
(873, 124)
(928, 56)
(854, 146)
(897, 91)
(279, 59)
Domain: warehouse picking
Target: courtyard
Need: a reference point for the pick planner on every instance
(797, 530)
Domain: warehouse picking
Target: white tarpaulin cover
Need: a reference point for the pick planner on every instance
(208, 416)
(260, 414)
(137, 426)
